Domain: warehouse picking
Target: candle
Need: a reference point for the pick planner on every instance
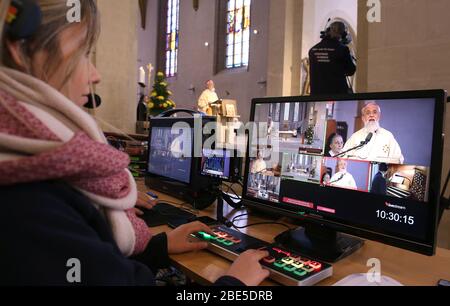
(150, 69)
(142, 75)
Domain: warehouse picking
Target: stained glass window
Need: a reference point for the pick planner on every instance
(238, 33)
(172, 37)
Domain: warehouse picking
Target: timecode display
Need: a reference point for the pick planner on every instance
(395, 217)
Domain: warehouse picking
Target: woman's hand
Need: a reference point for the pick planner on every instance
(180, 240)
(247, 268)
(145, 202)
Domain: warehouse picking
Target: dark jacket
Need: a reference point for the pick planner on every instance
(330, 64)
(43, 225)
(379, 185)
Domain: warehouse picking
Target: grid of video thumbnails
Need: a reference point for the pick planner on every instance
(380, 147)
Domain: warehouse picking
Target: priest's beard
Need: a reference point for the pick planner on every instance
(372, 126)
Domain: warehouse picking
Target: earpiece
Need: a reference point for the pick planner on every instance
(23, 19)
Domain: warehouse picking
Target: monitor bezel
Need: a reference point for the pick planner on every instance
(157, 122)
(423, 247)
(226, 156)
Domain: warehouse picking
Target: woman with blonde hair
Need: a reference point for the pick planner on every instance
(65, 193)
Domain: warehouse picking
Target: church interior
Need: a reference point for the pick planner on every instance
(188, 143)
(397, 45)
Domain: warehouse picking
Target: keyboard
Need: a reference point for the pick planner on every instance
(286, 267)
(164, 214)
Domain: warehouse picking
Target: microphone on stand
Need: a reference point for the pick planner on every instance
(338, 180)
(362, 144)
(368, 139)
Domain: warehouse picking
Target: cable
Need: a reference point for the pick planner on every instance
(263, 223)
(230, 187)
(445, 185)
(254, 224)
(445, 190)
(238, 197)
(237, 217)
(181, 206)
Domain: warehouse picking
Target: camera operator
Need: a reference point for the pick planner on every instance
(331, 62)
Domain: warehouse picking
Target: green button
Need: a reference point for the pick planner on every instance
(300, 272)
(279, 264)
(290, 268)
(228, 243)
(221, 240)
(205, 235)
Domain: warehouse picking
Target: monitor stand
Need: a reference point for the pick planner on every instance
(315, 241)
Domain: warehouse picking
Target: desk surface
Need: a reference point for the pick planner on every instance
(406, 267)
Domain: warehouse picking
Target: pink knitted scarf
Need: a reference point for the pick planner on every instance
(44, 136)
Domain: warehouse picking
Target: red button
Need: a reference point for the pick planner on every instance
(315, 265)
(277, 250)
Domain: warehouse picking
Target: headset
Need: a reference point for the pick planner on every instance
(23, 19)
(345, 38)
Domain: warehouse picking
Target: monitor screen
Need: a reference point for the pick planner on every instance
(368, 164)
(216, 163)
(166, 154)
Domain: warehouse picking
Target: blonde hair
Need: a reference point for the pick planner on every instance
(47, 38)
(4, 7)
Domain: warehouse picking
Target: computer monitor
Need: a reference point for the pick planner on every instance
(173, 166)
(216, 163)
(368, 165)
(167, 158)
(221, 164)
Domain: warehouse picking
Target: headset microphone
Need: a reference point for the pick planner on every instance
(325, 32)
(94, 101)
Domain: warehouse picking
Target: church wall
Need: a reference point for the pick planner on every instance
(115, 58)
(196, 62)
(408, 50)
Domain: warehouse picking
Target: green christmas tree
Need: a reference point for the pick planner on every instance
(160, 101)
(309, 135)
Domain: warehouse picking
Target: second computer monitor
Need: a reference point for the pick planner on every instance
(367, 164)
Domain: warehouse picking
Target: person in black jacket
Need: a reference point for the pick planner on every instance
(66, 196)
(45, 224)
(331, 62)
(379, 184)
